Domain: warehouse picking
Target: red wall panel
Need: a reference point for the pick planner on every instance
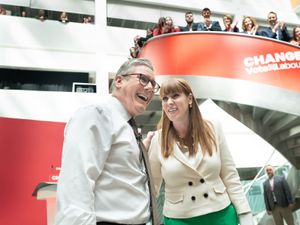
(28, 150)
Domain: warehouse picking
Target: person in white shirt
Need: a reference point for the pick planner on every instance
(102, 179)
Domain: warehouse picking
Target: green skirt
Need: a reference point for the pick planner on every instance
(227, 216)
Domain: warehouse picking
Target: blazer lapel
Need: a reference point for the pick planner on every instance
(268, 185)
(276, 182)
(183, 159)
(199, 157)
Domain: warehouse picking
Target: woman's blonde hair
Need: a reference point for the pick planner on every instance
(252, 20)
(228, 17)
(200, 130)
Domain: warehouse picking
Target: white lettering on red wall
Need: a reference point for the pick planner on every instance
(272, 62)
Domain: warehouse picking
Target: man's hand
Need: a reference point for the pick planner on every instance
(291, 206)
(208, 22)
(282, 25)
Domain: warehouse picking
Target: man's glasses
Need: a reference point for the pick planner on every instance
(144, 80)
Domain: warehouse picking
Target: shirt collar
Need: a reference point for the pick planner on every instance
(120, 108)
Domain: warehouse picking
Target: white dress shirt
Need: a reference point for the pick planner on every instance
(102, 177)
(271, 180)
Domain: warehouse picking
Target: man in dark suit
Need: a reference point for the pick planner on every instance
(276, 30)
(208, 24)
(190, 25)
(278, 198)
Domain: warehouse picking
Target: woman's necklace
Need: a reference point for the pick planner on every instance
(182, 146)
(184, 143)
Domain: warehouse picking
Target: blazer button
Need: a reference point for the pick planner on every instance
(190, 183)
(205, 195)
(193, 198)
(202, 180)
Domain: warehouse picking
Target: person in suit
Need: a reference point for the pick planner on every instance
(190, 155)
(190, 25)
(278, 198)
(276, 30)
(208, 24)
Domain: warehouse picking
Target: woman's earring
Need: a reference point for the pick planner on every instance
(190, 105)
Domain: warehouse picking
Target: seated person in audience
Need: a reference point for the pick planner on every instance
(2, 11)
(23, 13)
(190, 25)
(227, 20)
(64, 17)
(276, 30)
(208, 24)
(87, 19)
(169, 27)
(139, 43)
(141, 40)
(159, 27)
(41, 15)
(90, 20)
(296, 36)
(133, 52)
(250, 26)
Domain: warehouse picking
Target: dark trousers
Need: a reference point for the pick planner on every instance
(280, 213)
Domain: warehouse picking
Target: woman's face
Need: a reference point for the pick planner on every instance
(248, 23)
(227, 21)
(176, 106)
(297, 33)
(169, 21)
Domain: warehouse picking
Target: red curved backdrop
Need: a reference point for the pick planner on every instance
(228, 55)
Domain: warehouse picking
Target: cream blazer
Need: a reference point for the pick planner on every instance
(198, 185)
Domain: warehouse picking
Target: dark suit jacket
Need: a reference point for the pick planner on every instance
(283, 34)
(215, 27)
(282, 193)
(186, 28)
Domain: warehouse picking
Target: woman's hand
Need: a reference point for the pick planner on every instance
(147, 140)
(246, 219)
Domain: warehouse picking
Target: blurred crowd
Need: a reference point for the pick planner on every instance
(42, 15)
(276, 29)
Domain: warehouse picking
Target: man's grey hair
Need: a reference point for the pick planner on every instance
(129, 66)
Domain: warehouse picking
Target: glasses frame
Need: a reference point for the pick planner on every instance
(142, 76)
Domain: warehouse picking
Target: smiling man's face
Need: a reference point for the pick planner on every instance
(134, 96)
(270, 171)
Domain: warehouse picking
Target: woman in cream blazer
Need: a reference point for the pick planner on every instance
(202, 185)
